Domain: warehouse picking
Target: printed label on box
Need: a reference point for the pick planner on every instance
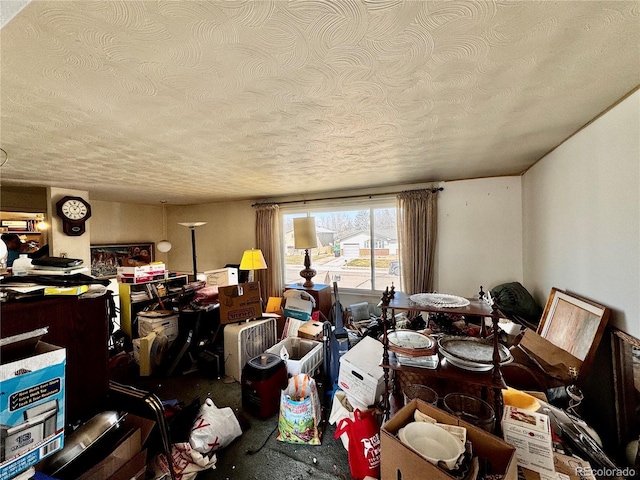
(530, 433)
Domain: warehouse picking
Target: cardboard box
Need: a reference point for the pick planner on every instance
(360, 374)
(221, 277)
(128, 459)
(165, 320)
(240, 302)
(311, 331)
(32, 374)
(298, 305)
(156, 268)
(397, 460)
(530, 433)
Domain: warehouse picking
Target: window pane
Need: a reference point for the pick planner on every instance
(344, 253)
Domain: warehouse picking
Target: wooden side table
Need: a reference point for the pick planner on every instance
(320, 292)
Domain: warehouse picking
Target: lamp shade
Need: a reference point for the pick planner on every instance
(304, 232)
(252, 260)
(163, 246)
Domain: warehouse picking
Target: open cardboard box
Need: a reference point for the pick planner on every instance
(128, 460)
(397, 460)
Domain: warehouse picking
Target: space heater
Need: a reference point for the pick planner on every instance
(243, 341)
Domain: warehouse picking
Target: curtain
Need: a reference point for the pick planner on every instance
(268, 240)
(417, 217)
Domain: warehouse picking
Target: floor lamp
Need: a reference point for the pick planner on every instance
(192, 226)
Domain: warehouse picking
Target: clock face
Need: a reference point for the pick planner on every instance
(74, 209)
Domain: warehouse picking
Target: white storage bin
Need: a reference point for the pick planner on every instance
(305, 356)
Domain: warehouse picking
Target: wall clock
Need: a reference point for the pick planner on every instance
(74, 212)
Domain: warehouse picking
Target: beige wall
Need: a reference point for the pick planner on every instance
(60, 244)
(229, 231)
(113, 222)
(581, 216)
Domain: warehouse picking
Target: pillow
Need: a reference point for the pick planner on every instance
(517, 304)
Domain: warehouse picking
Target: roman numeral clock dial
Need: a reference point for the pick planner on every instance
(74, 212)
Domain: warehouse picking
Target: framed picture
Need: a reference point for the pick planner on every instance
(105, 259)
(574, 324)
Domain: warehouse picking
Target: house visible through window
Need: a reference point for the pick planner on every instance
(345, 236)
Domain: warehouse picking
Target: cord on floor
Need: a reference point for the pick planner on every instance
(252, 452)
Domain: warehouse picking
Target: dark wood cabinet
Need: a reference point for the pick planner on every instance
(320, 292)
(81, 326)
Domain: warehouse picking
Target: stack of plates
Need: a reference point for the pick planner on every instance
(471, 353)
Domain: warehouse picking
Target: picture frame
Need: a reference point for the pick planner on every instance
(574, 324)
(105, 259)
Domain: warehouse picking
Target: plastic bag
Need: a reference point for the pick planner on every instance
(214, 428)
(300, 412)
(343, 407)
(185, 461)
(364, 443)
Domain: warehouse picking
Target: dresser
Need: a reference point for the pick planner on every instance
(81, 326)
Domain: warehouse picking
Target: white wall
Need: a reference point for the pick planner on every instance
(479, 235)
(581, 216)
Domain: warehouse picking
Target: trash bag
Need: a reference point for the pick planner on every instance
(214, 428)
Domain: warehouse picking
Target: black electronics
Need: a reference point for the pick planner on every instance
(56, 262)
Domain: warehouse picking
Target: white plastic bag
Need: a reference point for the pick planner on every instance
(185, 461)
(214, 428)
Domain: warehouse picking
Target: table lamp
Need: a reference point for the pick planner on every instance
(192, 226)
(304, 232)
(252, 260)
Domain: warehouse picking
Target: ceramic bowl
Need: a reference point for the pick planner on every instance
(433, 443)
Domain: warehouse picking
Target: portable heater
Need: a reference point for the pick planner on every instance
(243, 341)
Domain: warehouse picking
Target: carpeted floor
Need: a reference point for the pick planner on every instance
(256, 454)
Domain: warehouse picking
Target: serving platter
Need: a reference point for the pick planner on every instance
(472, 352)
(473, 367)
(440, 300)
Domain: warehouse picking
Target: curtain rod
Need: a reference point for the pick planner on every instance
(345, 197)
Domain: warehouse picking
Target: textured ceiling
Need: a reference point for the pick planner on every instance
(198, 101)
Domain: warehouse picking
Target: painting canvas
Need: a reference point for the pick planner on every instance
(105, 259)
(573, 324)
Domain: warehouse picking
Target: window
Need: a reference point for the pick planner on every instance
(344, 238)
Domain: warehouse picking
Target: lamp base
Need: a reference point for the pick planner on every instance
(307, 273)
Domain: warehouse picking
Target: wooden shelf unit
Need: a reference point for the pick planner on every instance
(393, 301)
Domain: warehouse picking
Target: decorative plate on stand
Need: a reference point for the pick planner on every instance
(440, 300)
